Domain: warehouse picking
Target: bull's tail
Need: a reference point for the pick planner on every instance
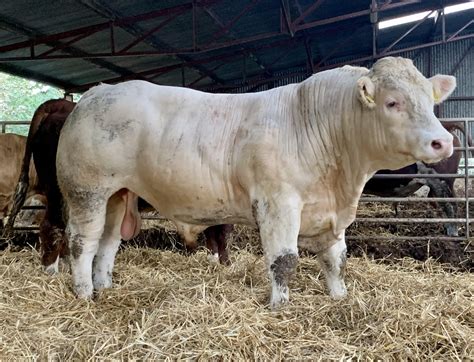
(23, 184)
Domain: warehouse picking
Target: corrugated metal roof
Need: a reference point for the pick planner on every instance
(267, 55)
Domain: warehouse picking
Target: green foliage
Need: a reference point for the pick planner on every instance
(19, 99)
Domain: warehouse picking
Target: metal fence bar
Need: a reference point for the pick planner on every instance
(419, 175)
(401, 237)
(413, 199)
(416, 220)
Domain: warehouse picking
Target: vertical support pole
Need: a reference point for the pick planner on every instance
(244, 69)
(183, 80)
(194, 25)
(443, 25)
(4, 128)
(374, 20)
(428, 57)
(112, 37)
(466, 175)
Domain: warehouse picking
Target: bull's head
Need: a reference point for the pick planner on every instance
(403, 101)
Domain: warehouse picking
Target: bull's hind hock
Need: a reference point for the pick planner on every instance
(117, 213)
(87, 217)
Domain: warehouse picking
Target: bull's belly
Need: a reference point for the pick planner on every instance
(197, 205)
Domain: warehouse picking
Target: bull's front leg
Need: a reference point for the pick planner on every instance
(333, 263)
(278, 219)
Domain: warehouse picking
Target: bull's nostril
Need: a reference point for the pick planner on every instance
(436, 145)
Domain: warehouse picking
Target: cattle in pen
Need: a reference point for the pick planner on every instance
(12, 149)
(292, 161)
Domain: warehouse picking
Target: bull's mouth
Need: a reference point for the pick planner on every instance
(432, 160)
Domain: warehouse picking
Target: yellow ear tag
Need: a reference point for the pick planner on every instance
(369, 99)
(435, 97)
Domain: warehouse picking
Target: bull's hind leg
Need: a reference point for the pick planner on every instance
(109, 244)
(84, 230)
(333, 263)
(279, 224)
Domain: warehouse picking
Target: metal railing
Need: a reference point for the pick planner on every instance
(466, 220)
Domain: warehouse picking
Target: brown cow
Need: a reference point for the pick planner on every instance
(12, 149)
(42, 143)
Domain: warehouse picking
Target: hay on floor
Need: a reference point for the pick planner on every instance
(168, 305)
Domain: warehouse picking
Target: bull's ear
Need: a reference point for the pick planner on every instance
(366, 92)
(443, 86)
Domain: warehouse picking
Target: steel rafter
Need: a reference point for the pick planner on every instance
(461, 59)
(305, 14)
(403, 36)
(227, 27)
(74, 52)
(232, 33)
(307, 43)
(153, 30)
(129, 25)
(193, 63)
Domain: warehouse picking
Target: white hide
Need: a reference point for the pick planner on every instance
(293, 159)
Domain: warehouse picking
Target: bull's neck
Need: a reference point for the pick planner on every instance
(335, 136)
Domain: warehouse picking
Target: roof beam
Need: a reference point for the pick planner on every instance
(285, 10)
(232, 33)
(128, 24)
(416, 25)
(103, 9)
(306, 13)
(34, 33)
(211, 59)
(227, 27)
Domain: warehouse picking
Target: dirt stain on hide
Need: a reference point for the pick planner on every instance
(76, 245)
(284, 267)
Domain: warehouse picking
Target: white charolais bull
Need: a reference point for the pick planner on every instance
(292, 161)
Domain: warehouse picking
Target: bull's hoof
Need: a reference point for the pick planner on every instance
(338, 293)
(279, 297)
(83, 291)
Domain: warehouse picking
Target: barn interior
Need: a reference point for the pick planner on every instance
(224, 46)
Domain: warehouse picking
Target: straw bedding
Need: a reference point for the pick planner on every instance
(168, 305)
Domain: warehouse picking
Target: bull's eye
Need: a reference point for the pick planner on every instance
(391, 104)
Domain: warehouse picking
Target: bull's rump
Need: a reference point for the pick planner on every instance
(178, 149)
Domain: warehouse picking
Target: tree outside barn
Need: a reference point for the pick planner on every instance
(19, 98)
